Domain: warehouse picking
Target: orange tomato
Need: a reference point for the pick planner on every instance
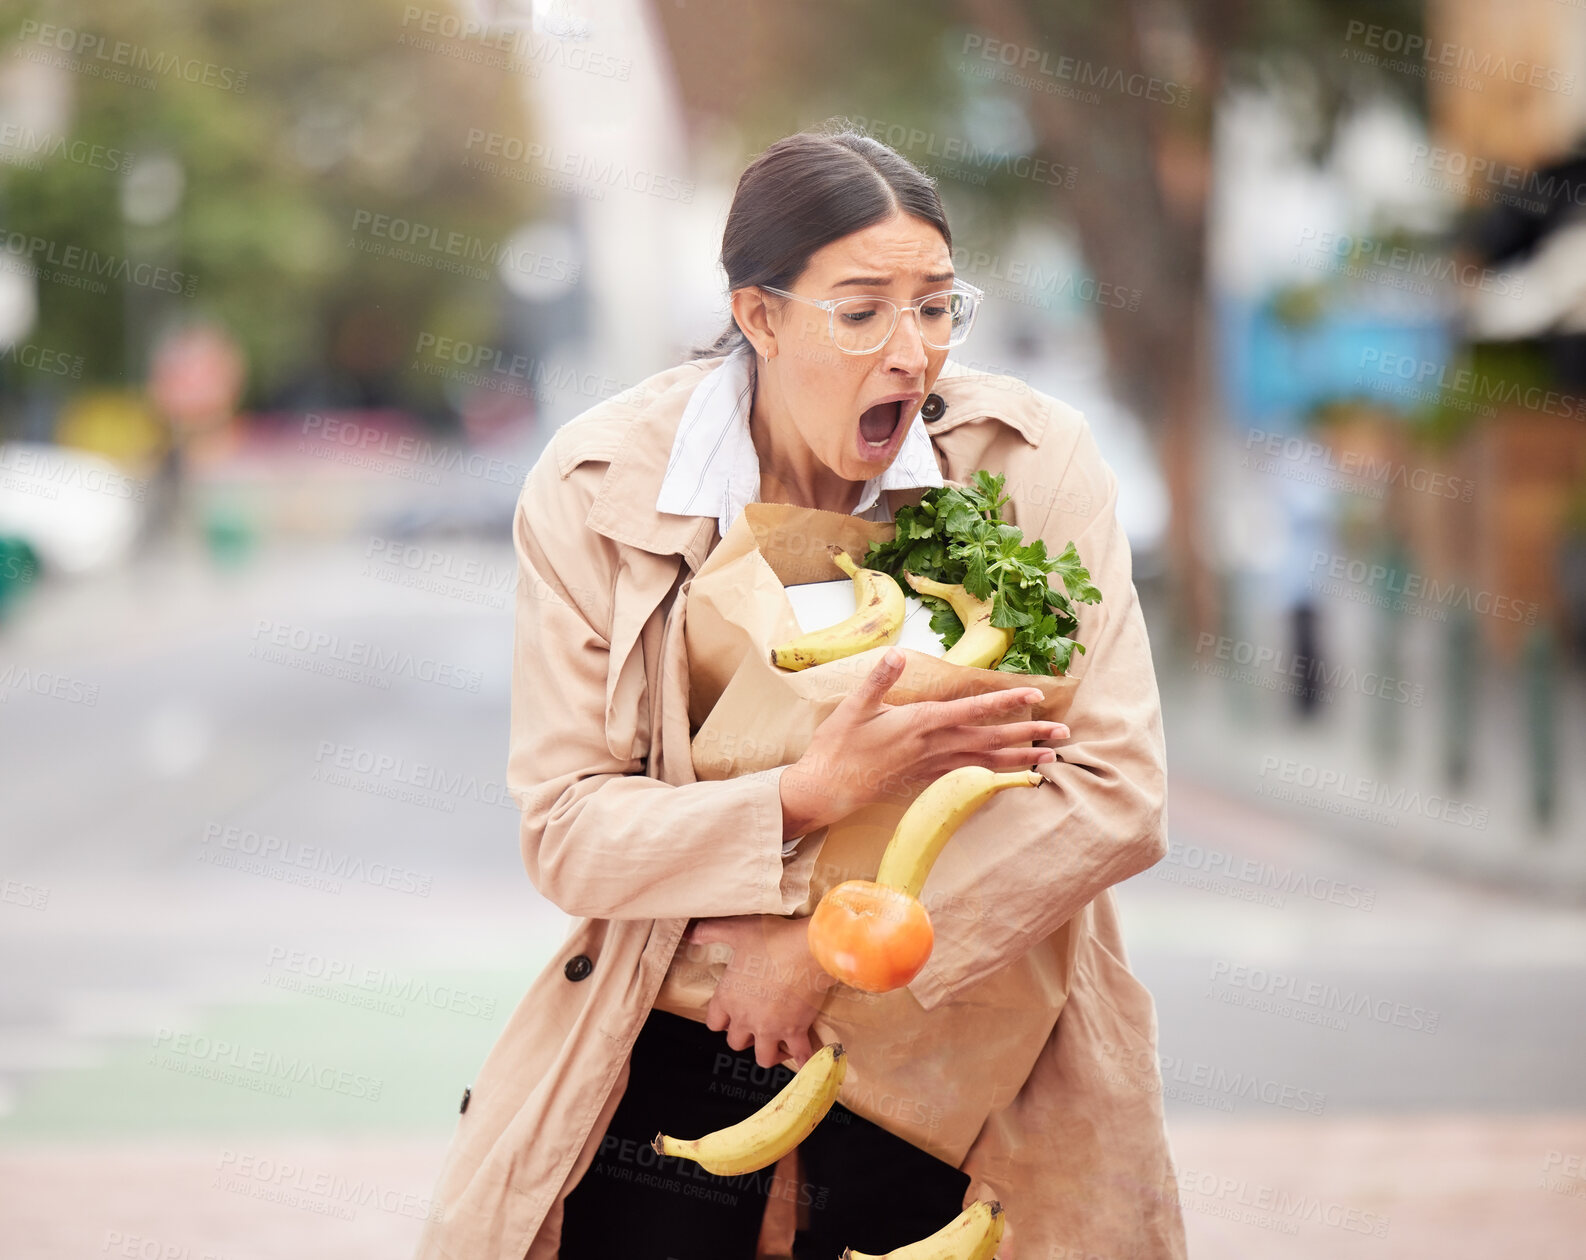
(871, 936)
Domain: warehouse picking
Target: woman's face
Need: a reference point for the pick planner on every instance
(844, 405)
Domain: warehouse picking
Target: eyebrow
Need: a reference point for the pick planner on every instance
(877, 281)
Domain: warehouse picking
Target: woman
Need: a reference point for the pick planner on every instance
(850, 408)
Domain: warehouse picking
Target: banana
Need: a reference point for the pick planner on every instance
(877, 620)
(971, 1235)
(765, 1137)
(982, 644)
(933, 816)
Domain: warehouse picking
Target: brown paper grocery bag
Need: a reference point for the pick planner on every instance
(915, 1073)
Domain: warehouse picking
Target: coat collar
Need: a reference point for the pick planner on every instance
(624, 507)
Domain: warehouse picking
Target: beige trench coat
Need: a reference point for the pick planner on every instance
(617, 831)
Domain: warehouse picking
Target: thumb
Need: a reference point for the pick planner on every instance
(879, 680)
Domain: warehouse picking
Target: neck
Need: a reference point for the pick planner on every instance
(790, 472)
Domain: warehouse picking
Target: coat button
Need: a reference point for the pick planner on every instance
(467, 1094)
(578, 967)
(933, 407)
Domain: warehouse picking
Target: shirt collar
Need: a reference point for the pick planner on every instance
(714, 469)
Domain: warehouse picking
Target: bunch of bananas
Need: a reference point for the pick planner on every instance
(877, 621)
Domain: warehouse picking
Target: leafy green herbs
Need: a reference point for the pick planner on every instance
(957, 535)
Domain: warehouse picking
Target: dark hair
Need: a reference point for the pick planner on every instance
(805, 191)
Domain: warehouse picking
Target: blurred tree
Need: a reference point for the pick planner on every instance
(1142, 155)
(246, 168)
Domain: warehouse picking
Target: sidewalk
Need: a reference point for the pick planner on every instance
(1233, 726)
(1387, 1188)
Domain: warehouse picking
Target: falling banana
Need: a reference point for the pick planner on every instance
(877, 620)
(971, 1235)
(982, 644)
(765, 1137)
(875, 935)
(934, 815)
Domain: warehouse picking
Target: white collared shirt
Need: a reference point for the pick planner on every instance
(714, 469)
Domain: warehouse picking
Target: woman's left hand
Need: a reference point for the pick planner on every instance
(771, 991)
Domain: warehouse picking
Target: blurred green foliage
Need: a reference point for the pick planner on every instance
(340, 111)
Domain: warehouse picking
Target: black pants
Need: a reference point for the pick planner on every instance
(863, 1187)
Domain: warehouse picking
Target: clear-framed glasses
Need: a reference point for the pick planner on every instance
(861, 325)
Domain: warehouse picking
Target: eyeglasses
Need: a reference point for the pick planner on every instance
(862, 325)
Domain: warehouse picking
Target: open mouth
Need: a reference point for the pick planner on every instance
(878, 425)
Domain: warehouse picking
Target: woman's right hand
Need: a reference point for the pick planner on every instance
(868, 750)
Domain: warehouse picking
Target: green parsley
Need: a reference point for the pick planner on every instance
(957, 535)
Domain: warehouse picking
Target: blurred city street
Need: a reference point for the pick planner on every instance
(295, 297)
(1436, 1084)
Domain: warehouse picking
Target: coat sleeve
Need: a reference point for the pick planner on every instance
(600, 838)
(1027, 861)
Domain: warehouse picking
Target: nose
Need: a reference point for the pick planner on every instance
(905, 348)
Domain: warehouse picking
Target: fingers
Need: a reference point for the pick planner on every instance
(1003, 734)
(879, 681)
(767, 1053)
(999, 759)
(798, 1048)
(741, 1039)
(992, 705)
